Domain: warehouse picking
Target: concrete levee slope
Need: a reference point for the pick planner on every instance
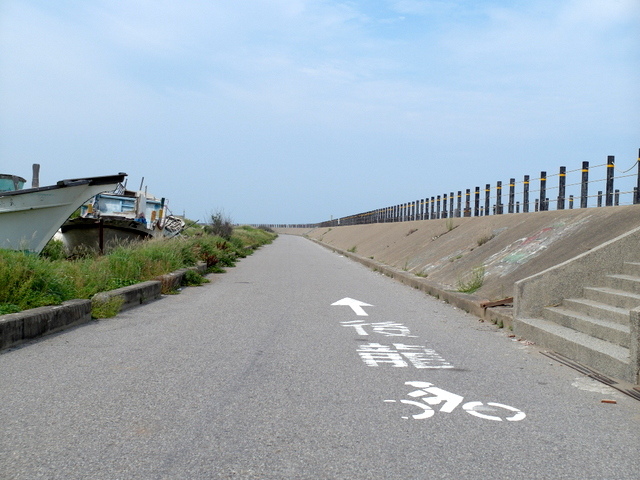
(507, 247)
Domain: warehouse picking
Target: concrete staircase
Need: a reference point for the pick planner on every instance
(593, 330)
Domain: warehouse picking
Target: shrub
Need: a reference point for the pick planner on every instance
(220, 225)
(193, 279)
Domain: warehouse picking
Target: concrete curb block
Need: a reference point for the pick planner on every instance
(132, 295)
(468, 303)
(17, 328)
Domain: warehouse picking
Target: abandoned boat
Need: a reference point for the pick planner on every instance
(30, 217)
(113, 219)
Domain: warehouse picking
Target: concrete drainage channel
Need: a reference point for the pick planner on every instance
(17, 328)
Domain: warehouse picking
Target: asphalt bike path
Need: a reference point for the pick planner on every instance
(301, 364)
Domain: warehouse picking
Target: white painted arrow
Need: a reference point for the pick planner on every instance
(356, 305)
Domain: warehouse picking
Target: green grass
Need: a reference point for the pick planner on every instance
(473, 281)
(482, 240)
(450, 225)
(30, 281)
(106, 308)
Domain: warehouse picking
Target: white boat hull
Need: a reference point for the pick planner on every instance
(30, 218)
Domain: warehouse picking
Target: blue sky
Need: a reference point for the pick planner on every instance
(293, 111)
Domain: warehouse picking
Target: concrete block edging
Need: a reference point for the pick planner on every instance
(17, 328)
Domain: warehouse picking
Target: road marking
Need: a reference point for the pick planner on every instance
(356, 305)
(388, 329)
(431, 396)
(427, 397)
(474, 409)
(374, 354)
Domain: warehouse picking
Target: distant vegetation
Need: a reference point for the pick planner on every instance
(29, 281)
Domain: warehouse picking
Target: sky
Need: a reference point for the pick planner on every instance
(298, 111)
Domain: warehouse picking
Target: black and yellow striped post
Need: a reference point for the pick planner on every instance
(609, 188)
(459, 212)
(476, 203)
(512, 194)
(467, 203)
(451, 209)
(584, 189)
(487, 199)
(562, 182)
(444, 206)
(525, 195)
(543, 191)
(499, 198)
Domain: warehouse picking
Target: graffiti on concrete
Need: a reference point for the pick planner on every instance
(525, 249)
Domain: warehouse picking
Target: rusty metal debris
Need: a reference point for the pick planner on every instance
(497, 303)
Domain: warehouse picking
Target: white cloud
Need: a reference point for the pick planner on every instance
(600, 14)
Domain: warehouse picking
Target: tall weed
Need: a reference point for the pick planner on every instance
(28, 281)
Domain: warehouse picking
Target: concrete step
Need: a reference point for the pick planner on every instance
(605, 357)
(631, 268)
(613, 297)
(628, 283)
(598, 327)
(599, 310)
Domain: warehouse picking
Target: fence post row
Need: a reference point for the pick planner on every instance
(450, 205)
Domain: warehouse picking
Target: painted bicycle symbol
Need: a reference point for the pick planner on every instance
(430, 396)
